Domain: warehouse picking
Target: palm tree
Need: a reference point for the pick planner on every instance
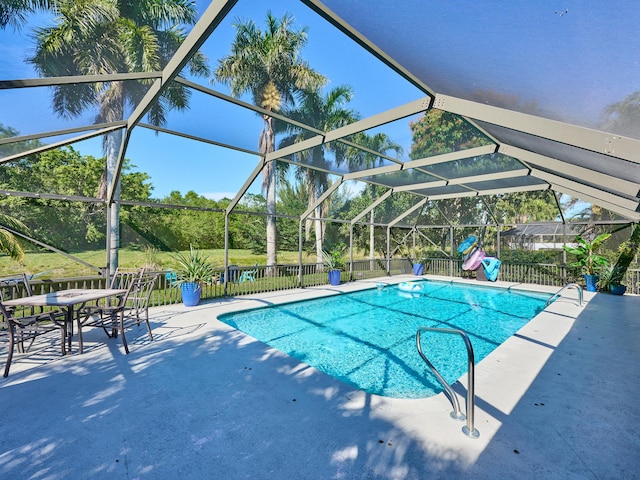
(114, 36)
(14, 12)
(9, 244)
(267, 65)
(323, 112)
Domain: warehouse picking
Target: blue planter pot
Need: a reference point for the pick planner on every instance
(191, 294)
(418, 269)
(591, 281)
(617, 289)
(334, 277)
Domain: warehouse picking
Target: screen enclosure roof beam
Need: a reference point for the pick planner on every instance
(581, 137)
(592, 192)
(535, 160)
(373, 121)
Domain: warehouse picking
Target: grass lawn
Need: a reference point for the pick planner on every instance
(59, 266)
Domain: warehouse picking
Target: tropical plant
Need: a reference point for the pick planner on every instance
(267, 64)
(608, 275)
(193, 268)
(93, 37)
(9, 244)
(626, 253)
(586, 253)
(333, 259)
(324, 112)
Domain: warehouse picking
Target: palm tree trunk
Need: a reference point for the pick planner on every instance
(319, 234)
(112, 149)
(269, 184)
(372, 250)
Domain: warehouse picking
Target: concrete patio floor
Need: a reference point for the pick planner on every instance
(559, 400)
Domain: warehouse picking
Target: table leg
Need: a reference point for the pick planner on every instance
(69, 321)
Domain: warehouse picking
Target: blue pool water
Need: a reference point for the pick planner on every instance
(367, 339)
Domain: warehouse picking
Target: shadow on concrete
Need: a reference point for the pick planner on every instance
(198, 406)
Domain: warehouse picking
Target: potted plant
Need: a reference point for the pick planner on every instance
(193, 271)
(418, 263)
(587, 258)
(333, 261)
(610, 279)
(626, 253)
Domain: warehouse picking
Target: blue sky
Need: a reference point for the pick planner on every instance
(576, 63)
(172, 161)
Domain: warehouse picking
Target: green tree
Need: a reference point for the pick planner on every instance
(324, 112)
(267, 65)
(437, 132)
(523, 207)
(201, 229)
(64, 171)
(114, 36)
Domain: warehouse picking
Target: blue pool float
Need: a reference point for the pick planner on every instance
(467, 244)
(411, 287)
(491, 267)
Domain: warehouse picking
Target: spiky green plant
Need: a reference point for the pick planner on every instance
(193, 268)
(334, 259)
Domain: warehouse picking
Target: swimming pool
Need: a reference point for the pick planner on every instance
(367, 338)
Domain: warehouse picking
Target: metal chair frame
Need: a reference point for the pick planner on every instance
(19, 329)
(137, 306)
(132, 308)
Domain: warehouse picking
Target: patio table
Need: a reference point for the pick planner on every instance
(66, 299)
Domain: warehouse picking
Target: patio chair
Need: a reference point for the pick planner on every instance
(248, 275)
(17, 330)
(123, 277)
(103, 316)
(137, 306)
(15, 286)
(171, 278)
(116, 318)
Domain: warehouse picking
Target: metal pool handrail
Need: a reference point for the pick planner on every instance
(567, 287)
(468, 429)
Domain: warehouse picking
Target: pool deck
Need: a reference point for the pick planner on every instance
(559, 400)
